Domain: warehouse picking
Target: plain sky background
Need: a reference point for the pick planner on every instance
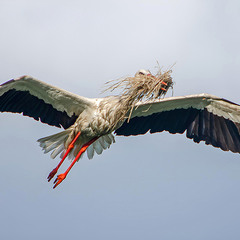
(159, 186)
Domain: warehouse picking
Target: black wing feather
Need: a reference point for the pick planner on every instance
(29, 105)
(200, 125)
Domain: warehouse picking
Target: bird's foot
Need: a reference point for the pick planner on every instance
(59, 179)
(52, 174)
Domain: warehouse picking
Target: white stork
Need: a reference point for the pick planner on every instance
(90, 123)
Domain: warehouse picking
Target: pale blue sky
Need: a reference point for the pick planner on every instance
(147, 187)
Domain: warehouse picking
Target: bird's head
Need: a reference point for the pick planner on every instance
(143, 72)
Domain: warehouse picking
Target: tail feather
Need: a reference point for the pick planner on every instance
(103, 143)
(56, 144)
(54, 137)
(58, 150)
(55, 141)
(52, 145)
(90, 152)
(97, 147)
(100, 144)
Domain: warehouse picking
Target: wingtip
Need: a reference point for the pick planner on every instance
(9, 81)
(15, 79)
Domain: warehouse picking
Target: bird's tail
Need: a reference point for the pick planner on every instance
(54, 142)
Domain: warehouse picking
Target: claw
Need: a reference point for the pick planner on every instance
(59, 179)
(52, 174)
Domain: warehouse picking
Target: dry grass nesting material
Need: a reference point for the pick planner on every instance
(142, 87)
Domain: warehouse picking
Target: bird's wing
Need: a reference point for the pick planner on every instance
(42, 101)
(204, 118)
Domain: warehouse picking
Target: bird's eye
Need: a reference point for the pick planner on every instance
(141, 73)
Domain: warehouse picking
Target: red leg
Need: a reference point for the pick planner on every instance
(62, 176)
(71, 145)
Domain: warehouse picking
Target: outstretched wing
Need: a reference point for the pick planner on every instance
(41, 101)
(204, 117)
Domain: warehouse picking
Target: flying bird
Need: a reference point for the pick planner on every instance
(90, 124)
